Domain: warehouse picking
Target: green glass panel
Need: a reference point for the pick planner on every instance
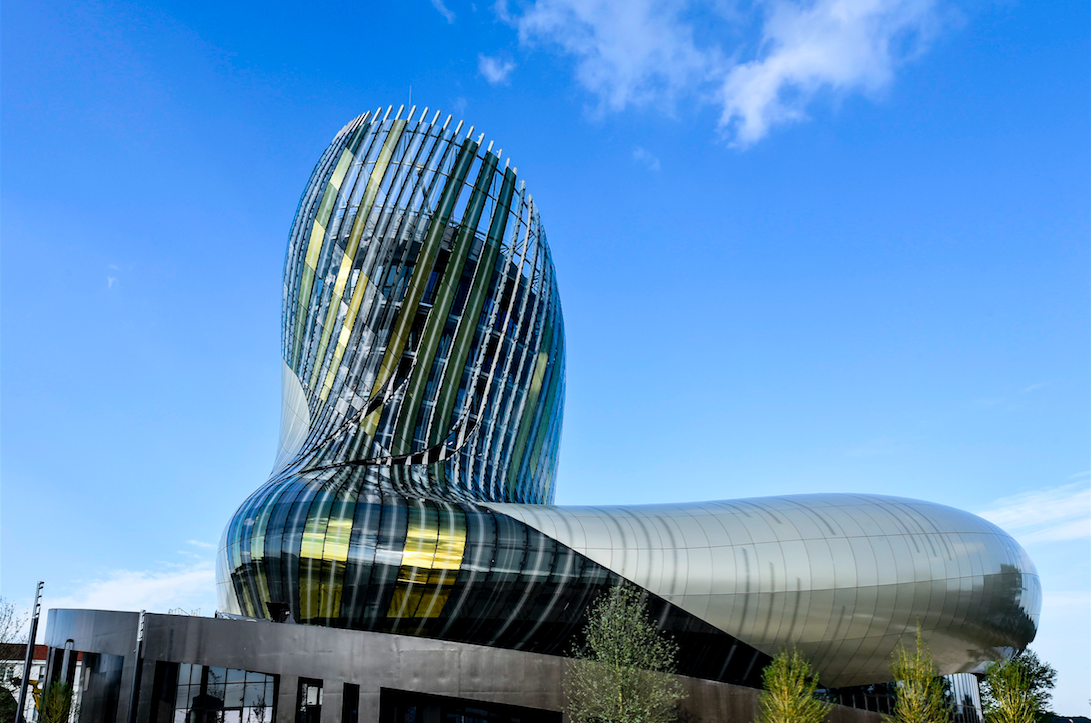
(514, 463)
(467, 324)
(425, 260)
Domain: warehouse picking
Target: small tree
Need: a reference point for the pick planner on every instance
(623, 673)
(7, 706)
(919, 697)
(56, 703)
(788, 696)
(12, 622)
(1018, 690)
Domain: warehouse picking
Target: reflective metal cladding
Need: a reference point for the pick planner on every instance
(424, 358)
(841, 577)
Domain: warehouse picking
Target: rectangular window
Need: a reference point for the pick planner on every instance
(310, 701)
(350, 706)
(186, 693)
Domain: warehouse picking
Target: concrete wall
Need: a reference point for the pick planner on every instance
(370, 660)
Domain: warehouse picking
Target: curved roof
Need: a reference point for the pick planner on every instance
(843, 577)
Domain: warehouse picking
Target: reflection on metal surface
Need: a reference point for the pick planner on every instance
(842, 577)
(441, 568)
(424, 355)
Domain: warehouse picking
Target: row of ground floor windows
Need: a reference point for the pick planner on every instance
(186, 693)
(207, 694)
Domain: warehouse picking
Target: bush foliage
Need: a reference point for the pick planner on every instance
(623, 672)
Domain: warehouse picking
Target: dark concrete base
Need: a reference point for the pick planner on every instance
(371, 660)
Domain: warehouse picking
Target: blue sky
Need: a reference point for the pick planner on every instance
(826, 245)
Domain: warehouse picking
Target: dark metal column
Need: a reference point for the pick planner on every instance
(30, 652)
(134, 693)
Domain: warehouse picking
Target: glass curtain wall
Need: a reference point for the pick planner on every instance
(188, 693)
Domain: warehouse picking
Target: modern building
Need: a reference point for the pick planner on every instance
(410, 505)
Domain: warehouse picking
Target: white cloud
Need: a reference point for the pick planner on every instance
(185, 586)
(1053, 514)
(198, 543)
(495, 70)
(1072, 530)
(634, 52)
(646, 51)
(838, 45)
(443, 10)
(642, 156)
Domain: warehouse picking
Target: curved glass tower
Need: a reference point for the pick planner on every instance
(422, 327)
(424, 353)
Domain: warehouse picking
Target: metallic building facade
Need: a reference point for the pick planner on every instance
(841, 577)
(423, 349)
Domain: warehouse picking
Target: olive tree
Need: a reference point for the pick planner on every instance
(622, 674)
(788, 692)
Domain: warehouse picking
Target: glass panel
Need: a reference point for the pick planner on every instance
(256, 695)
(233, 695)
(184, 673)
(216, 681)
(184, 697)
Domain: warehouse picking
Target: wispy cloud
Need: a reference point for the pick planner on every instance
(642, 156)
(495, 70)
(443, 10)
(642, 52)
(190, 585)
(1053, 514)
(628, 53)
(187, 586)
(837, 45)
